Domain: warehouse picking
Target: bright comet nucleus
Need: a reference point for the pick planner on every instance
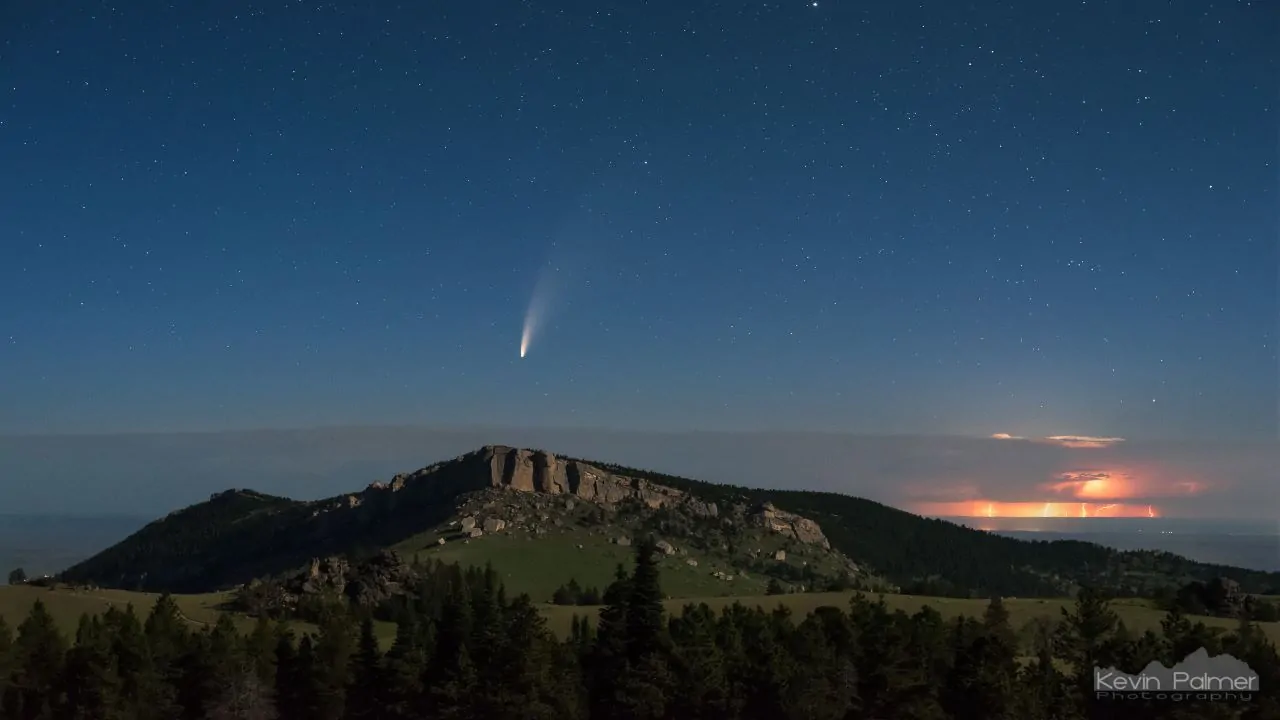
(537, 311)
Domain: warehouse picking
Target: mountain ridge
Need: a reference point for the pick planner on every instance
(239, 535)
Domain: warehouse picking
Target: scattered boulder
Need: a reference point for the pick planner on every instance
(493, 525)
(780, 556)
(467, 524)
(665, 547)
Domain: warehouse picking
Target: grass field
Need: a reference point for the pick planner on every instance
(538, 567)
(1138, 615)
(66, 607)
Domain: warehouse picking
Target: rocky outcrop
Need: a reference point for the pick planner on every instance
(366, 583)
(540, 471)
(780, 521)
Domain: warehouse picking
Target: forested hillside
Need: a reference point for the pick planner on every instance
(466, 651)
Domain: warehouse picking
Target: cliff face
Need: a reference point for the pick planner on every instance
(539, 471)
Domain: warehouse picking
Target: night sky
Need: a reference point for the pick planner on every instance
(1025, 218)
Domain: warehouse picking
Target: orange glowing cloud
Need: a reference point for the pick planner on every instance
(1121, 483)
(1066, 441)
(1083, 441)
(1095, 485)
(995, 509)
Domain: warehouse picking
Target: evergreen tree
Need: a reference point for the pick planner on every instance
(167, 639)
(406, 662)
(821, 685)
(646, 630)
(702, 686)
(367, 694)
(607, 659)
(450, 681)
(334, 649)
(1083, 641)
(38, 655)
(291, 676)
(260, 650)
(6, 663)
(90, 682)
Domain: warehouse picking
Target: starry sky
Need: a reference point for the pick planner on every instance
(1037, 219)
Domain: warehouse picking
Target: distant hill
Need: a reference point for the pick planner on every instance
(508, 506)
(46, 544)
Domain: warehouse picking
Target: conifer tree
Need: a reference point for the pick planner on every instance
(821, 685)
(366, 695)
(702, 686)
(406, 662)
(38, 655)
(90, 683)
(1083, 641)
(450, 681)
(290, 683)
(646, 629)
(6, 663)
(334, 649)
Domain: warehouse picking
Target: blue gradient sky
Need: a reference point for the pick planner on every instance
(998, 217)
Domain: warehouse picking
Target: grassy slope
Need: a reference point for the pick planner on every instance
(66, 606)
(538, 566)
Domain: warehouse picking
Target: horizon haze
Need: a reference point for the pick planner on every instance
(982, 477)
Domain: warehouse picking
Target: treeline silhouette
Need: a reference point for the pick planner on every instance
(463, 650)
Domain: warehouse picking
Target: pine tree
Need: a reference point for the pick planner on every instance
(821, 685)
(333, 652)
(1083, 640)
(891, 683)
(367, 695)
(527, 680)
(6, 663)
(38, 654)
(702, 686)
(646, 628)
(90, 682)
(450, 681)
(291, 676)
(405, 663)
(167, 640)
(607, 660)
(981, 683)
(260, 650)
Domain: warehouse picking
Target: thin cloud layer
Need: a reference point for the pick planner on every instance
(1066, 441)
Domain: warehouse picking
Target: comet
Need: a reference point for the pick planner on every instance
(539, 302)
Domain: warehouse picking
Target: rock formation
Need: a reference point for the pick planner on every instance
(790, 524)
